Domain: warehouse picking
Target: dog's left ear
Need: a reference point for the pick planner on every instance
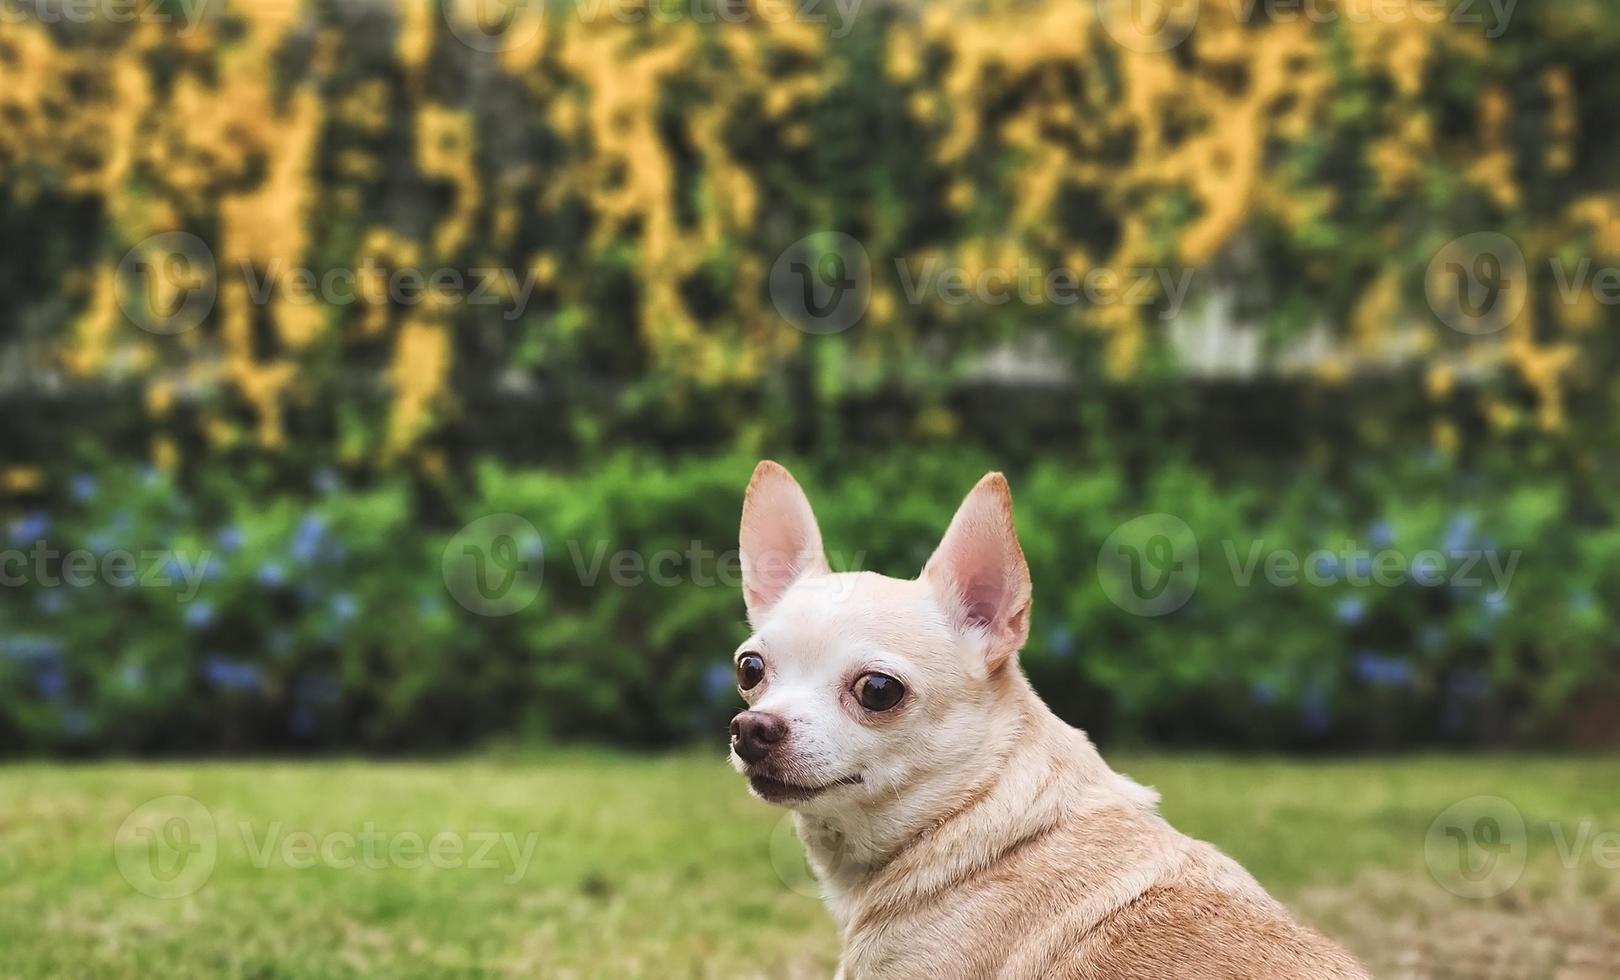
(980, 574)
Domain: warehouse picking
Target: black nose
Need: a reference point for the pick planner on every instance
(754, 733)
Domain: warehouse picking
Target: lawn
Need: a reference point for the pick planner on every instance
(592, 865)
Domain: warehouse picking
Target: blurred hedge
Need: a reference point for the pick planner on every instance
(648, 172)
(326, 623)
(647, 166)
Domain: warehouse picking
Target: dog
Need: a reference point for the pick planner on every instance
(957, 827)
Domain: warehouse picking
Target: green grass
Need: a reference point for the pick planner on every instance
(662, 867)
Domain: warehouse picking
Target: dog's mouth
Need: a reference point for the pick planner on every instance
(774, 790)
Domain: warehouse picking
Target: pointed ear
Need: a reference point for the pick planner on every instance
(779, 538)
(979, 573)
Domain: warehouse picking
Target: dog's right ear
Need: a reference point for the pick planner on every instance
(779, 538)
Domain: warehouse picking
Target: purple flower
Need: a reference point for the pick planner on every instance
(82, 487)
(1459, 533)
(51, 682)
(230, 675)
(229, 539)
(308, 538)
(1351, 610)
(200, 615)
(30, 528)
(1060, 641)
(1316, 710)
(719, 680)
(344, 607)
(1381, 534)
(1381, 671)
(271, 574)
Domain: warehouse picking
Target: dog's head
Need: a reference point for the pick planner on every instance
(861, 688)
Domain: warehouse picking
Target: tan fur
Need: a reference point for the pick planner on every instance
(987, 839)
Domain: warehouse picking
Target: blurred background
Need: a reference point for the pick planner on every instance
(381, 377)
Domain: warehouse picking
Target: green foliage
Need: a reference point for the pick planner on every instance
(322, 620)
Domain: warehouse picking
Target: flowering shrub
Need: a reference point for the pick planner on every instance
(324, 619)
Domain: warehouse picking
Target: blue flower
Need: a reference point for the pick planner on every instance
(30, 528)
(82, 487)
(1381, 671)
(49, 601)
(1316, 710)
(28, 649)
(1469, 685)
(1263, 692)
(74, 723)
(271, 574)
(230, 675)
(133, 676)
(281, 642)
(302, 721)
(51, 682)
(326, 481)
(344, 607)
(1381, 534)
(1351, 610)
(1060, 641)
(200, 615)
(1431, 637)
(229, 539)
(719, 680)
(317, 689)
(308, 538)
(1459, 533)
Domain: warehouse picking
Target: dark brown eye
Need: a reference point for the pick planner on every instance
(878, 692)
(750, 671)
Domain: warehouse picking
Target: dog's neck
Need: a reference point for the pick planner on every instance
(1024, 776)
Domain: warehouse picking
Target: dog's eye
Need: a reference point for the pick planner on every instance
(750, 671)
(878, 692)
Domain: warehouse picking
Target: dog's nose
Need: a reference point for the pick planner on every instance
(755, 733)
